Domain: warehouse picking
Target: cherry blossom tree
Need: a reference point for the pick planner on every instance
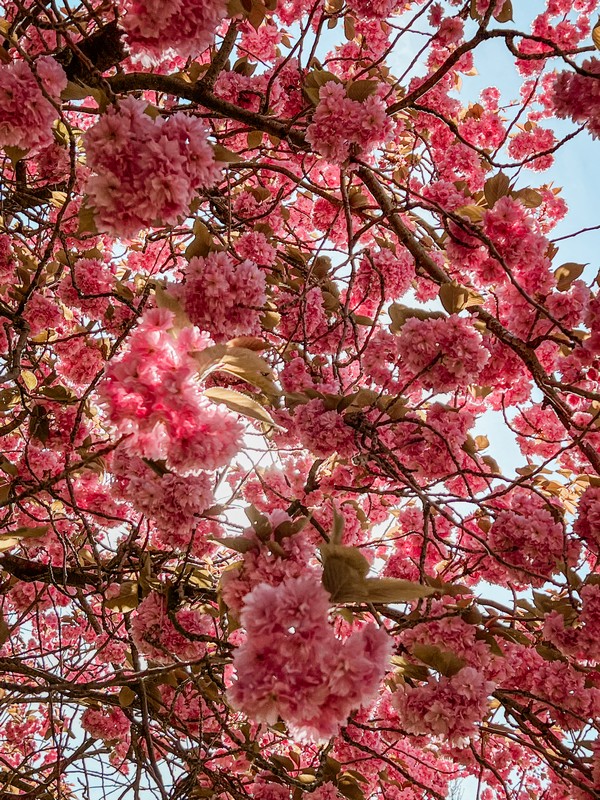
(266, 271)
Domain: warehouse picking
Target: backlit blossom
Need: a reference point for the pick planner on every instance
(447, 707)
(444, 353)
(105, 723)
(152, 394)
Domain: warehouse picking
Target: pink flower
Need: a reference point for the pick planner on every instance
(383, 275)
(26, 116)
(445, 353)
(170, 500)
(157, 637)
(587, 524)
(375, 9)
(146, 171)
(323, 432)
(186, 27)
(105, 723)
(266, 564)
(222, 297)
(292, 666)
(341, 126)
(152, 394)
(578, 96)
(448, 707)
(526, 144)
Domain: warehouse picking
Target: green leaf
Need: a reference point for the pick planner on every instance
(348, 786)
(202, 243)
(472, 212)
(15, 153)
(596, 35)
(126, 696)
(7, 466)
(11, 539)
(255, 139)
(528, 197)
(454, 297)
(4, 629)
(339, 522)
(226, 156)
(126, 600)
(314, 80)
(566, 274)
(506, 12)
(360, 90)
(395, 590)
(87, 220)
(75, 91)
(29, 379)
(166, 300)
(239, 362)
(443, 661)
(349, 27)
(495, 188)
(240, 544)
(344, 573)
(400, 313)
(240, 404)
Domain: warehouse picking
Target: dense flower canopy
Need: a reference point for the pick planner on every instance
(277, 286)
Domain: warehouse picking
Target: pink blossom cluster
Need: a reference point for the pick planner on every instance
(165, 636)
(412, 547)
(432, 448)
(383, 275)
(581, 640)
(373, 9)
(559, 686)
(26, 110)
(80, 361)
(292, 666)
(264, 789)
(222, 297)
(108, 723)
(527, 541)
(526, 144)
(321, 431)
(266, 563)
(172, 502)
(303, 317)
(187, 711)
(523, 248)
(450, 707)
(185, 27)
(151, 394)
(255, 246)
(578, 96)
(444, 353)
(587, 524)
(260, 44)
(342, 127)
(146, 171)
